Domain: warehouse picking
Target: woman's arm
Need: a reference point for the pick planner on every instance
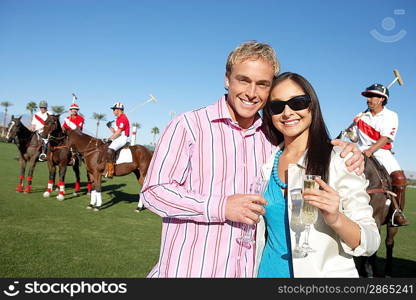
(346, 209)
(327, 200)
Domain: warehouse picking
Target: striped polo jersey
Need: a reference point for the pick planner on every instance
(370, 128)
(203, 157)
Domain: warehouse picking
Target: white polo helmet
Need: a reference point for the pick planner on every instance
(74, 106)
(118, 105)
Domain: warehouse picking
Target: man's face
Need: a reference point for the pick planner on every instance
(374, 101)
(43, 109)
(116, 112)
(248, 89)
(74, 112)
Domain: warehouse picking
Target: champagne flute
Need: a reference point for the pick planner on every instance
(258, 187)
(296, 223)
(309, 213)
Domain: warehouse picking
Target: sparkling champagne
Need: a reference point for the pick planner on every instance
(309, 213)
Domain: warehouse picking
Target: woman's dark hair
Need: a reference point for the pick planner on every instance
(319, 145)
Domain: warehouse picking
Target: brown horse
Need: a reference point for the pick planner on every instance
(383, 202)
(59, 154)
(93, 151)
(29, 145)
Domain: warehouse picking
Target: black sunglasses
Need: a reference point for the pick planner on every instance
(295, 103)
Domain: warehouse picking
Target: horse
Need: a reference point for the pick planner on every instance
(29, 145)
(383, 202)
(93, 151)
(59, 154)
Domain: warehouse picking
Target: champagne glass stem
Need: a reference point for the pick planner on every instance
(306, 243)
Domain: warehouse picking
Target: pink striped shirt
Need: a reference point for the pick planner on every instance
(203, 157)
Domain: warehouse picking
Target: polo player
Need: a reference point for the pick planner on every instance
(375, 130)
(38, 122)
(119, 138)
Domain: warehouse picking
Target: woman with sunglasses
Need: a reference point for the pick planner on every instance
(345, 226)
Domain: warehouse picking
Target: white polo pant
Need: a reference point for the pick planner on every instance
(118, 142)
(387, 159)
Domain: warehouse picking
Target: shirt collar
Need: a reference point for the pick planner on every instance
(381, 113)
(219, 112)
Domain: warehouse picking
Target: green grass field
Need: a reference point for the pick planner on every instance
(44, 237)
(50, 238)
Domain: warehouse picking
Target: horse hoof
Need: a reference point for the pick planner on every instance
(75, 194)
(57, 189)
(46, 195)
(89, 194)
(60, 197)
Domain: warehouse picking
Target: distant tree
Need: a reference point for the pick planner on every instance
(155, 131)
(58, 109)
(137, 125)
(31, 107)
(6, 105)
(98, 117)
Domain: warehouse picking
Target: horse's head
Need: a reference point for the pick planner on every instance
(51, 124)
(13, 128)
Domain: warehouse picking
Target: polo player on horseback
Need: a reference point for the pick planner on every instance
(38, 122)
(119, 138)
(72, 122)
(375, 130)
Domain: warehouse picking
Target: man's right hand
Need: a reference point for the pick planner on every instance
(244, 208)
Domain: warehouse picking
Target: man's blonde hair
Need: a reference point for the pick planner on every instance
(252, 50)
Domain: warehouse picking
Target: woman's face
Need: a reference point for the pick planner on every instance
(290, 123)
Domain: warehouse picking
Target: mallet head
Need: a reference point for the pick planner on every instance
(399, 78)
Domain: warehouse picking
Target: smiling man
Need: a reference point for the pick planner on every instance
(201, 171)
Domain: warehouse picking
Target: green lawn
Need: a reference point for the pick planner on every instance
(50, 238)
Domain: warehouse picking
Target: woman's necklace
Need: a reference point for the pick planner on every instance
(275, 170)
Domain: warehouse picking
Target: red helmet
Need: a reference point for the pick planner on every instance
(74, 106)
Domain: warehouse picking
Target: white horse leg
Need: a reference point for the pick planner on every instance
(140, 206)
(99, 201)
(93, 199)
(61, 195)
(49, 190)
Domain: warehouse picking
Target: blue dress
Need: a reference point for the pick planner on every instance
(276, 261)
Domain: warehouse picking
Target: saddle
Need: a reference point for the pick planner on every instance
(104, 148)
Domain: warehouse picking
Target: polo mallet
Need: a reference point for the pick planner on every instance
(397, 78)
(151, 99)
(74, 98)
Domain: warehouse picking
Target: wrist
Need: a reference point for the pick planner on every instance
(337, 223)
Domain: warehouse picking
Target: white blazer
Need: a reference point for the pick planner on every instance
(333, 258)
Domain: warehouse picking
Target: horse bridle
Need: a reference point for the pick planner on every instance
(13, 123)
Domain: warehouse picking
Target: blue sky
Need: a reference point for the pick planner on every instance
(107, 51)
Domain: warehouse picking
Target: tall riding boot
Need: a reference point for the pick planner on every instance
(110, 163)
(399, 183)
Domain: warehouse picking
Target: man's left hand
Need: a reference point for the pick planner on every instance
(356, 161)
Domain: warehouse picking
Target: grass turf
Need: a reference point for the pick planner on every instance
(44, 237)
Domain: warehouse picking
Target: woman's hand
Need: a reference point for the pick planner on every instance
(327, 200)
